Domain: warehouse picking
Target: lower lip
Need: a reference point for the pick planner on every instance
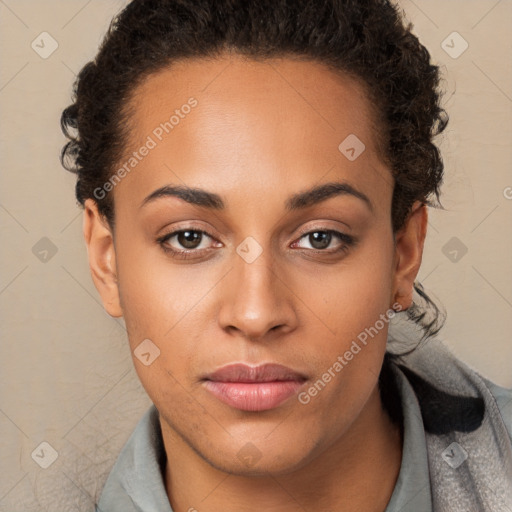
(253, 396)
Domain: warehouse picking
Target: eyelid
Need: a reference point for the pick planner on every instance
(344, 232)
(320, 227)
(186, 226)
(175, 231)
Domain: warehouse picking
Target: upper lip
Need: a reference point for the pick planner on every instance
(269, 372)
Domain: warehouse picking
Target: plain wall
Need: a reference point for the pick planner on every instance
(67, 377)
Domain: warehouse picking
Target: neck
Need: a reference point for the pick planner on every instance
(358, 472)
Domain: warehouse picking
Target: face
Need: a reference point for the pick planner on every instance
(254, 267)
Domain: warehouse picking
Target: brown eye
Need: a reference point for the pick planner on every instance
(186, 243)
(189, 239)
(320, 239)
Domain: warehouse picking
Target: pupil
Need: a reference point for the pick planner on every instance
(320, 242)
(189, 239)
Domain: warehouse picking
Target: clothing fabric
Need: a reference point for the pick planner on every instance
(457, 444)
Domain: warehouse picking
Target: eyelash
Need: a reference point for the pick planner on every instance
(347, 242)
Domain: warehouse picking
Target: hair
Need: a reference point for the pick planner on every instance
(365, 39)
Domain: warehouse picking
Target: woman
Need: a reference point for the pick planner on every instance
(255, 178)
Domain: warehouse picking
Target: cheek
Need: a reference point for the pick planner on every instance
(154, 292)
(156, 304)
(353, 307)
(350, 296)
(163, 302)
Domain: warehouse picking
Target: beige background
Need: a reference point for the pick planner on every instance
(66, 372)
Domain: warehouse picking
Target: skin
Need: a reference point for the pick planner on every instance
(261, 132)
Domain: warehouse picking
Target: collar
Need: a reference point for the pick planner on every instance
(412, 489)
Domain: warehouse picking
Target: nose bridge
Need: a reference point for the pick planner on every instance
(256, 300)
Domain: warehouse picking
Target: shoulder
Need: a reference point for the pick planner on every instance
(452, 394)
(503, 397)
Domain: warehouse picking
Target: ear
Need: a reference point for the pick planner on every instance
(102, 257)
(409, 243)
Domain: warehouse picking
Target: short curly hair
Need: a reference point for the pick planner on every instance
(365, 39)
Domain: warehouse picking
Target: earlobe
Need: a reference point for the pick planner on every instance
(408, 254)
(102, 258)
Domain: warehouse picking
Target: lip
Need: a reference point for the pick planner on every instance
(254, 388)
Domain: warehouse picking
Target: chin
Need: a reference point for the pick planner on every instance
(261, 458)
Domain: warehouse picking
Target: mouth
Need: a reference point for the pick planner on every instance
(250, 388)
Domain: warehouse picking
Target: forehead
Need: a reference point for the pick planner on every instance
(283, 90)
(251, 120)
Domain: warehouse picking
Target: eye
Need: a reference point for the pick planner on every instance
(186, 243)
(320, 239)
(189, 239)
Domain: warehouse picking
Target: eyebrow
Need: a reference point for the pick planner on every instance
(298, 201)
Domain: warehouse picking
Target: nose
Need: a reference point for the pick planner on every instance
(257, 299)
